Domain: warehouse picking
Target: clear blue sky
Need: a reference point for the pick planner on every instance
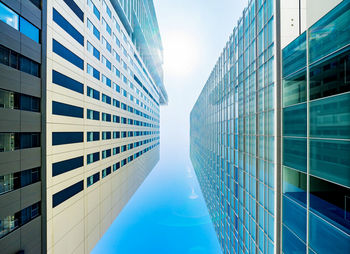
(168, 214)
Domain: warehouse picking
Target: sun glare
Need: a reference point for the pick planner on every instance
(180, 53)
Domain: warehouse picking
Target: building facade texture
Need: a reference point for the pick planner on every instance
(80, 91)
(273, 166)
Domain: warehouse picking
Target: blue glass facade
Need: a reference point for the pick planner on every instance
(316, 110)
(235, 163)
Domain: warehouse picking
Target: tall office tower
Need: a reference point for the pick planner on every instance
(243, 165)
(81, 83)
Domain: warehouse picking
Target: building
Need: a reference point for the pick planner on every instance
(274, 165)
(81, 83)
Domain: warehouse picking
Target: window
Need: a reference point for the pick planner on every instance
(116, 40)
(116, 71)
(14, 181)
(29, 30)
(63, 195)
(63, 138)
(93, 50)
(62, 167)
(106, 172)
(93, 157)
(107, 27)
(67, 82)
(66, 54)
(116, 24)
(93, 93)
(108, 11)
(94, 9)
(106, 63)
(116, 103)
(106, 44)
(19, 62)
(116, 55)
(295, 120)
(294, 153)
(294, 56)
(12, 100)
(92, 71)
(116, 150)
(92, 114)
(106, 99)
(74, 7)
(106, 81)
(116, 166)
(9, 16)
(106, 153)
(93, 179)
(106, 135)
(66, 26)
(106, 117)
(116, 119)
(63, 109)
(93, 29)
(116, 134)
(92, 136)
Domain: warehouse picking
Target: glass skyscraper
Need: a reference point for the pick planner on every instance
(81, 85)
(269, 132)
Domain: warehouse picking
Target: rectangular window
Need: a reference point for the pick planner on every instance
(106, 44)
(93, 72)
(106, 63)
(67, 193)
(63, 109)
(106, 172)
(106, 99)
(93, 50)
(106, 26)
(106, 117)
(67, 82)
(92, 136)
(93, 179)
(116, 134)
(116, 24)
(116, 103)
(63, 138)
(106, 135)
(67, 165)
(106, 81)
(294, 153)
(116, 150)
(295, 120)
(17, 180)
(29, 30)
(116, 71)
(92, 157)
(74, 7)
(116, 55)
(106, 153)
(93, 93)
(94, 9)
(93, 29)
(93, 115)
(116, 119)
(116, 40)
(9, 17)
(66, 26)
(108, 11)
(66, 54)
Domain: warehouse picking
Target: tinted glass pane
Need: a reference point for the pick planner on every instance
(8, 16)
(330, 33)
(295, 120)
(62, 109)
(291, 243)
(65, 25)
(74, 7)
(330, 160)
(62, 138)
(330, 117)
(294, 217)
(67, 54)
(29, 30)
(67, 193)
(294, 55)
(67, 82)
(330, 77)
(294, 153)
(294, 88)
(294, 185)
(67, 165)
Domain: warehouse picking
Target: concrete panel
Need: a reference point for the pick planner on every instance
(315, 9)
(31, 158)
(30, 48)
(10, 37)
(10, 203)
(30, 12)
(10, 120)
(30, 194)
(10, 78)
(30, 121)
(13, 4)
(8, 158)
(30, 84)
(10, 167)
(31, 236)
(11, 242)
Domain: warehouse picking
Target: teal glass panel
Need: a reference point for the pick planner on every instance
(330, 160)
(295, 120)
(294, 56)
(324, 238)
(294, 88)
(294, 217)
(330, 77)
(292, 244)
(330, 33)
(294, 185)
(330, 117)
(294, 153)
